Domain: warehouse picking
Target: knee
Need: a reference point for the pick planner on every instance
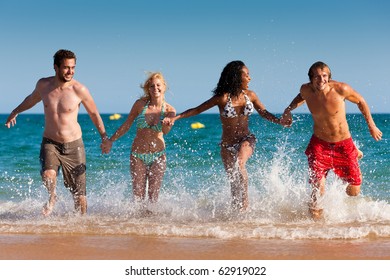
(80, 199)
(242, 164)
(353, 190)
(49, 174)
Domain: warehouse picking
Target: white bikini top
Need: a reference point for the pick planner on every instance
(230, 112)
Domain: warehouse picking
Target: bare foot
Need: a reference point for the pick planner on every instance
(243, 208)
(47, 209)
(316, 214)
(49, 206)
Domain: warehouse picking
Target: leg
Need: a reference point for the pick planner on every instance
(229, 161)
(49, 178)
(155, 177)
(138, 171)
(347, 166)
(74, 169)
(80, 203)
(318, 189)
(353, 190)
(75, 181)
(244, 154)
(50, 164)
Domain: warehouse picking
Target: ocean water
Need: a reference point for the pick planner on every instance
(195, 197)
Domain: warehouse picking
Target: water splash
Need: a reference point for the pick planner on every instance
(196, 203)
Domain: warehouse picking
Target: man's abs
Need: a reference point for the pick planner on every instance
(63, 134)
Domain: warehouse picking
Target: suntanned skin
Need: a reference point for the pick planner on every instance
(61, 96)
(146, 141)
(325, 99)
(234, 129)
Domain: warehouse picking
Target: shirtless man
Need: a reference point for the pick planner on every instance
(331, 146)
(62, 143)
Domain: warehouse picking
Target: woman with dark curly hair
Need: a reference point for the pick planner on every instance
(236, 103)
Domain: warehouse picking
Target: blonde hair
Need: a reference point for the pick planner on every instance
(152, 75)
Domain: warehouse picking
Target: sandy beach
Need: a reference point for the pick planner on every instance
(89, 247)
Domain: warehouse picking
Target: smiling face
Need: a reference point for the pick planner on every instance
(320, 78)
(245, 78)
(156, 88)
(65, 71)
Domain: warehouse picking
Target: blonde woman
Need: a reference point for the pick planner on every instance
(148, 156)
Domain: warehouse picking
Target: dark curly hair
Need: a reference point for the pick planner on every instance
(61, 55)
(230, 80)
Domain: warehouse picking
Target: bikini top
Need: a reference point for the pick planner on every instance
(142, 123)
(230, 112)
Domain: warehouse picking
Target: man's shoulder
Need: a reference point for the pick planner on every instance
(339, 87)
(78, 87)
(45, 80)
(77, 84)
(306, 88)
(44, 85)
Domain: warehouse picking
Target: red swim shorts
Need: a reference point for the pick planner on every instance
(341, 157)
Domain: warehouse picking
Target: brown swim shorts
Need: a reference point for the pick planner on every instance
(71, 157)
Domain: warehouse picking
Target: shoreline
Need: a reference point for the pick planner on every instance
(104, 247)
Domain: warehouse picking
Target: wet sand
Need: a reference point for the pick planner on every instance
(89, 247)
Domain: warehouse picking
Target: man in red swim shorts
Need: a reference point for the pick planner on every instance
(331, 146)
(341, 157)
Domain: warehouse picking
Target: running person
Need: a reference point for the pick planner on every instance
(235, 103)
(331, 146)
(148, 156)
(62, 144)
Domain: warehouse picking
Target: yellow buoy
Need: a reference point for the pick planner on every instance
(115, 117)
(197, 125)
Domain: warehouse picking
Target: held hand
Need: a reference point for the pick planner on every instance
(168, 121)
(286, 119)
(376, 133)
(106, 146)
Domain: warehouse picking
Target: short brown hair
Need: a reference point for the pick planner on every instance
(60, 55)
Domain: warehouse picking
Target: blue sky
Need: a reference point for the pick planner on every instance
(190, 41)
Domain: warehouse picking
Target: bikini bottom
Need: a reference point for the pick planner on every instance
(150, 158)
(235, 148)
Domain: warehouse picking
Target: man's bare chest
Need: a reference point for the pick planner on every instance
(61, 101)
